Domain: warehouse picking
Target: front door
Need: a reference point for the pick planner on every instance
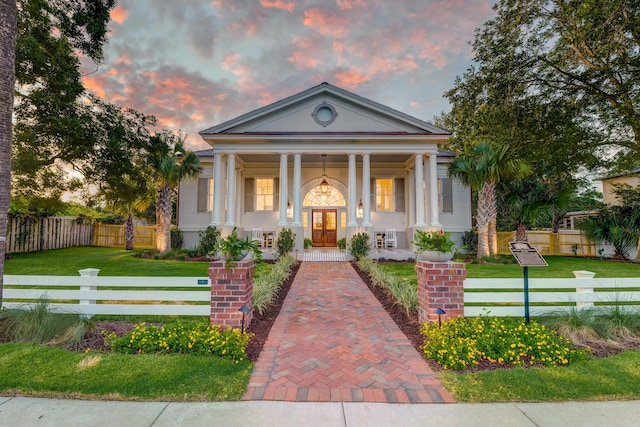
(324, 227)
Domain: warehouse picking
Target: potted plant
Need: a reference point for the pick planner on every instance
(232, 248)
(434, 245)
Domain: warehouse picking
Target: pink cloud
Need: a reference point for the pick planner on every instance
(350, 79)
(349, 4)
(278, 4)
(327, 22)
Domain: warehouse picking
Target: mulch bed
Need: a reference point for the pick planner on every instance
(408, 323)
(261, 325)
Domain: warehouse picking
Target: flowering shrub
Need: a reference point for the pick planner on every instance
(183, 337)
(462, 343)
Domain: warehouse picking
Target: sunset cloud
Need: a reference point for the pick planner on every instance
(198, 63)
(278, 4)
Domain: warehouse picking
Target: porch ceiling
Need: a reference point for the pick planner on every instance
(316, 159)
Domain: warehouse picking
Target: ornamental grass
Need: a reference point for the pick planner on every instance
(463, 343)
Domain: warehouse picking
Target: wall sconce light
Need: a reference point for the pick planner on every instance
(289, 210)
(360, 210)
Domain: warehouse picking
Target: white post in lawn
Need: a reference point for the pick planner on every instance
(88, 285)
(584, 292)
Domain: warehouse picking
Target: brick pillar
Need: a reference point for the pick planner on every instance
(231, 288)
(440, 285)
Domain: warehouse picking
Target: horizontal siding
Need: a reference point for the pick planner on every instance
(460, 219)
(188, 216)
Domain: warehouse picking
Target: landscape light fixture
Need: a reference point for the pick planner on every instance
(440, 312)
(244, 309)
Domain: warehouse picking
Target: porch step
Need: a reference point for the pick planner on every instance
(324, 256)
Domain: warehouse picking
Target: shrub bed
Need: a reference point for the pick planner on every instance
(266, 286)
(463, 343)
(200, 338)
(403, 290)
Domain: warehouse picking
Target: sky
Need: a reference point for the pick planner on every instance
(197, 63)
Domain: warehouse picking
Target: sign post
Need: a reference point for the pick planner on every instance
(527, 256)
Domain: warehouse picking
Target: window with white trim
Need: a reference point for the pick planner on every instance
(384, 195)
(264, 194)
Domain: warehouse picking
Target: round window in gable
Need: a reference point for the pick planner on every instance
(324, 114)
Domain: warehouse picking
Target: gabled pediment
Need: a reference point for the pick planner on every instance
(325, 109)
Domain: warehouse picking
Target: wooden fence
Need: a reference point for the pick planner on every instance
(112, 236)
(28, 234)
(565, 243)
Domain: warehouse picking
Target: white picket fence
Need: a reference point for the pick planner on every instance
(505, 297)
(90, 294)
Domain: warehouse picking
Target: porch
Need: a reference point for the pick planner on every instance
(336, 254)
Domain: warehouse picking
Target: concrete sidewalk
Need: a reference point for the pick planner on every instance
(23, 411)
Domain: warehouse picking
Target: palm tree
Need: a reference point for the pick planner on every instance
(481, 168)
(171, 163)
(128, 196)
(8, 33)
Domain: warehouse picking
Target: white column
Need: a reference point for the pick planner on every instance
(412, 200)
(366, 190)
(351, 222)
(218, 197)
(433, 190)
(284, 177)
(231, 190)
(297, 197)
(419, 168)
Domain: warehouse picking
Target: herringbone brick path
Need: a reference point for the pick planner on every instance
(333, 341)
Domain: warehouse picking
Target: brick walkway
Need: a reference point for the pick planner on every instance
(333, 341)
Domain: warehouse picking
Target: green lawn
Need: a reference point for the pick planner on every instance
(559, 267)
(111, 262)
(612, 378)
(29, 369)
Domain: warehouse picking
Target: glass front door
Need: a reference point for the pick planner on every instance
(324, 227)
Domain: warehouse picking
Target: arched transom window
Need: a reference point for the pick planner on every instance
(315, 197)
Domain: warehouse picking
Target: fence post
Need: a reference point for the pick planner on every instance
(88, 284)
(587, 288)
(440, 285)
(231, 290)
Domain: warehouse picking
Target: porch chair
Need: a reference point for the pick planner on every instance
(258, 236)
(390, 238)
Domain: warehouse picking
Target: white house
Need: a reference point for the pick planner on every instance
(326, 163)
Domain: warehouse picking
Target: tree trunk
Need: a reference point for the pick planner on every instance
(521, 233)
(8, 33)
(163, 219)
(492, 212)
(129, 233)
(482, 220)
